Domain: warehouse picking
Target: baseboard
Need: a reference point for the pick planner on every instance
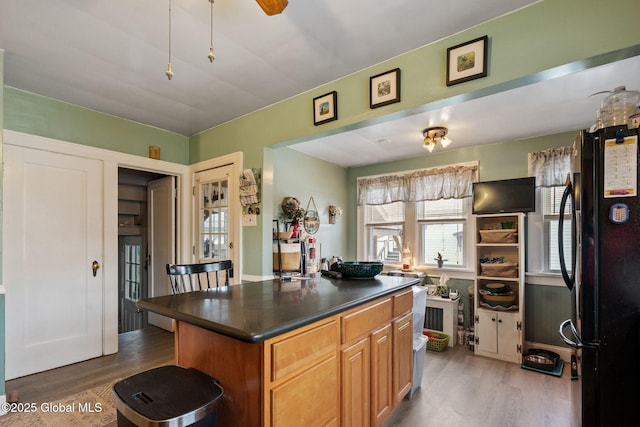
(564, 352)
(3, 407)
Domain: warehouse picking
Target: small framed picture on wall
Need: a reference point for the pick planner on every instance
(384, 89)
(325, 108)
(467, 61)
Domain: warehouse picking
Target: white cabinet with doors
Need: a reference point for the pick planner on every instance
(499, 286)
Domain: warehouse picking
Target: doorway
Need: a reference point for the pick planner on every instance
(135, 232)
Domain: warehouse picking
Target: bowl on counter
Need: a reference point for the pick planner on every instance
(357, 269)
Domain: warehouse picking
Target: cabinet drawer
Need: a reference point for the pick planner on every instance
(364, 321)
(309, 399)
(303, 349)
(402, 302)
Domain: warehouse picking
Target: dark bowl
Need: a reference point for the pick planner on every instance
(541, 359)
(358, 269)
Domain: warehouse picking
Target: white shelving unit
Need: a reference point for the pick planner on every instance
(499, 286)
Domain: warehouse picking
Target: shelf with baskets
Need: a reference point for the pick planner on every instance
(499, 286)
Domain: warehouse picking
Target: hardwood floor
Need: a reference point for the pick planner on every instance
(458, 388)
(138, 351)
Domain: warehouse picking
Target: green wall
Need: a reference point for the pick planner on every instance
(38, 115)
(2, 332)
(302, 176)
(522, 50)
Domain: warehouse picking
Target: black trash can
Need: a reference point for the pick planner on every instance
(167, 396)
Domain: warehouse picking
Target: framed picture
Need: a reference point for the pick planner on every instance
(384, 88)
(467, 61)
(325, 108)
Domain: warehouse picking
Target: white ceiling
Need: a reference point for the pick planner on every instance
(111, 57)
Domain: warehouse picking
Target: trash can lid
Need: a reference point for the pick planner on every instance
(167, 393)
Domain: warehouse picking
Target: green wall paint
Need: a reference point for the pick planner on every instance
(2, 331)
(303, 177)
(516, 40)
(545, 308)
(38, 115)
(567, 39)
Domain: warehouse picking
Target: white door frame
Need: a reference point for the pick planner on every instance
(113, 160)
(234, 160)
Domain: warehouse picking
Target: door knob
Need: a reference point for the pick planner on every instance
(95, 266)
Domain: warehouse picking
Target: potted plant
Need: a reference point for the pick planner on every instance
(439, 260)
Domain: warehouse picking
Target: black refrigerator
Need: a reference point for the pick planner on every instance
(603, 274)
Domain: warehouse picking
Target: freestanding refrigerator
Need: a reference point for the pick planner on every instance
(606, 274)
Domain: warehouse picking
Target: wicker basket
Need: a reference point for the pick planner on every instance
(499, 236)
(499, 269)
(437, 340)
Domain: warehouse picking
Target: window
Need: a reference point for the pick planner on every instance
(385, 230)
(442, 230)
(132, 269)
(426, 210)
(551, 197)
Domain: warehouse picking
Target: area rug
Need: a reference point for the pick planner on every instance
(90, 408)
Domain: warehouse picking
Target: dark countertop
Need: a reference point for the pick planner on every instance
(254, 312)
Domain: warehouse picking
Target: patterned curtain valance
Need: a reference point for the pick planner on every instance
(427, 184)
(550, 167)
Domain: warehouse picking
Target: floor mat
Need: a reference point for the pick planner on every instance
(557, 371)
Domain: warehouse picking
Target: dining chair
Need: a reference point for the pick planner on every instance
(195, 277)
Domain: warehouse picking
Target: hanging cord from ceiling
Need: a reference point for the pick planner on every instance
(169, 73)
(211, 55)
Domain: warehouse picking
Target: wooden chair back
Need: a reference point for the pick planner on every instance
(195, 277)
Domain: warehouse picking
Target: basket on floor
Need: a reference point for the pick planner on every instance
(437, 340)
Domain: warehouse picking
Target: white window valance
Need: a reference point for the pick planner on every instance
(416, 186)
(550, 167)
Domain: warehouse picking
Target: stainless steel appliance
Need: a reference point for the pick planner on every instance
(605, 275)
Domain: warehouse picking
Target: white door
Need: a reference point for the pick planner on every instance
(53, 233)
(215, 209)
(162, 221)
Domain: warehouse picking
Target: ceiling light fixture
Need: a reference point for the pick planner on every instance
(211, 55)
(433, 135)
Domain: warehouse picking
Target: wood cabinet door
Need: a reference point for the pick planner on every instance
(402, 356)
(356, 384)
(381, 375)
(320, 384)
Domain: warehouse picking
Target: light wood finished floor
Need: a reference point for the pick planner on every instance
(462, 390)
(458, 388)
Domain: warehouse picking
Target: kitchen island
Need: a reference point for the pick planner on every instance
(321, 351)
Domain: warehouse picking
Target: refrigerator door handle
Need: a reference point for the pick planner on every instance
(568, 193)
(577, 344)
